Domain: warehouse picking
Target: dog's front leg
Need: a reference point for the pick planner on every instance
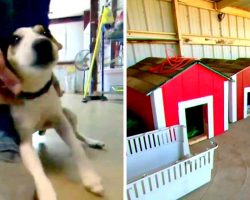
(89, 177)
(31, 161)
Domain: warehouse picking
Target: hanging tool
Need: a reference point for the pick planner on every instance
(106, 18)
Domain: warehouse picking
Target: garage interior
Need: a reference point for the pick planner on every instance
(216, 29)
(76, 24)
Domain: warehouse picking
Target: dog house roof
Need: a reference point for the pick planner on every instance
(142, 80)
(228, 67)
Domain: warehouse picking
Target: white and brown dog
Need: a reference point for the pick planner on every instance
(32, 53)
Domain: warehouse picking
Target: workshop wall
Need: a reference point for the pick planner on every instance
(202, 35)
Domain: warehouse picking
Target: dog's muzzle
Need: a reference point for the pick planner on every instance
(43, 52)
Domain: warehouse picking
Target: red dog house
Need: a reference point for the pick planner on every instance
(192, 93)
(239, 88)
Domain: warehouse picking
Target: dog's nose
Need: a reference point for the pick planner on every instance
(44, 52)
(42, 45)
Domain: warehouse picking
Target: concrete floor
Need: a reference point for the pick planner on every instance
(230, 179)
(99, 120)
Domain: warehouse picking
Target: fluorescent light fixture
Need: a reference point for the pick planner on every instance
(66, 8)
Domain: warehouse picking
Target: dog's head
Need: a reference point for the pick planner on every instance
(32, 50)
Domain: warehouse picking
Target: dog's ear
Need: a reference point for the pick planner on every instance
(46, 32)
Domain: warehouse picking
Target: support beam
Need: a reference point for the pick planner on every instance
(93, 30)
(114, 45)
(193, 39)
(225, 3)
(198, 4)
(177, 25)
(149, 35)
(235, 11)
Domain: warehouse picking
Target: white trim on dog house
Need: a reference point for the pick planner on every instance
(226, 106)
(192, 81)
(239, 72)
(158, 108)
(196, 102)
(233, 100)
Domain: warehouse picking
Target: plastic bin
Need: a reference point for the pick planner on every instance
(160, 166)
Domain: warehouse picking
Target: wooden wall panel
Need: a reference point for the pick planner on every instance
(136, 15)
(194, 20)
(157, 15)
(184, 19)
(150, 15)
(153, 19)
(142, 51)
(208, 51)
(187, 51)
(247, 52)
(205, 22)
(130, 55)
(215, 24)
(224, 27)
(218, 52)
(240, 27)
(242, 52)
(235, 52)
(226, 50)
(139, 51)
(232, 26)
(167, 16)
(197, 51)
(247, 27)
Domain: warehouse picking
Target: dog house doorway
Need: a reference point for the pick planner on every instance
(197, 122)
(246, 102)
(197, 116)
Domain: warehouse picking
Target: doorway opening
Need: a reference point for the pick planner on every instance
(248, 104)
(246, 107)
(197, 123)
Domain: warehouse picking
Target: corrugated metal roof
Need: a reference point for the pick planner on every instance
(141, 79)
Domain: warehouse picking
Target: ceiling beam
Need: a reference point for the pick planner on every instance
(225, 3)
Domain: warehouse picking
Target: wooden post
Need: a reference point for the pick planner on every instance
(93, 32)
(177, 25)
(114, 45)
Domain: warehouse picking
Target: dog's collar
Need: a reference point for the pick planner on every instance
(33, 95)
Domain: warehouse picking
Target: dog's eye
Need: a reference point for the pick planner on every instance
(15, 39)
(46, 33)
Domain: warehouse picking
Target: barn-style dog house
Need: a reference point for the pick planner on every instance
(239, 88)
(195, 96)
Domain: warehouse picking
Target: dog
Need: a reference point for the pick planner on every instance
(32, 53)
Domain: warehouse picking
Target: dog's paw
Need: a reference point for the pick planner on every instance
(92, 143)
(96, 144)
(92, 182)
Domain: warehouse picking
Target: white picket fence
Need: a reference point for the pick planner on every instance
(160, 167)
